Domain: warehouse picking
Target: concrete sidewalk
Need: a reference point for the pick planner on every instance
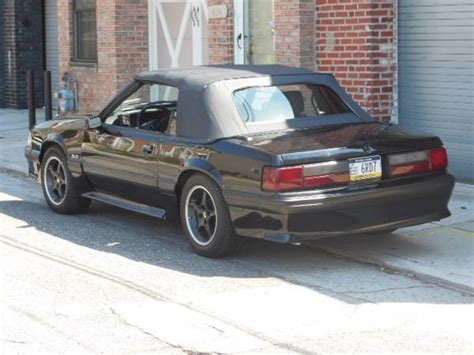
(441, 252)
(13, 137)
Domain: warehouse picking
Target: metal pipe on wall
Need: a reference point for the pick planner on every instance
(30, 83)
(48, 104)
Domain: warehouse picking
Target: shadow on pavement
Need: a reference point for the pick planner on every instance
(162, 244)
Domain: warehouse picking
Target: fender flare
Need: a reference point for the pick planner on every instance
(55, 139)
(199, 166)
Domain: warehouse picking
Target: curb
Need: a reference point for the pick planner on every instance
(403, 271)
(16, 173)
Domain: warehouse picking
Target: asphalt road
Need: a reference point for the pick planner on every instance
(111, 281)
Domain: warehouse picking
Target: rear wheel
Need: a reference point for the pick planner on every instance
(61, 191)
(205, 218)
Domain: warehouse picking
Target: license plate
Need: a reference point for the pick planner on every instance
(366, 168)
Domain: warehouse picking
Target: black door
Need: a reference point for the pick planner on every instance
(123, 161)
(121, 156)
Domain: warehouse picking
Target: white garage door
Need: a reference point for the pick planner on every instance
(52, 45)
(436, 75)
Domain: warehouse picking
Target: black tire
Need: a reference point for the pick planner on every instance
(68, 198)
(223, 240)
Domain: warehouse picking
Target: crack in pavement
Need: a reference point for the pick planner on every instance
(124, 321)
(17, 174)
(447, 226)
(14, 129)
(389, 289)
(145, 291)
(388, 269)
(380, 266)
(180, 244)
(183, 246)
(14, 341)
(44, 323)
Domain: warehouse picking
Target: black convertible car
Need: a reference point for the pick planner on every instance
(243, 151)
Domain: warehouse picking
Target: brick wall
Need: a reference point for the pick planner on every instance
(356, 40)
(21, 24)
(294, 32)
(131, 44)
(353, 39)
(122, 47)
(221, 35)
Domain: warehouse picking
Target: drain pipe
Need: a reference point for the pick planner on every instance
(30, 84)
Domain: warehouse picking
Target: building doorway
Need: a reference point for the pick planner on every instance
(254, 34)
(178, 33)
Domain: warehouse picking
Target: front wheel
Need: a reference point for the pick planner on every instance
(205, 218)
(61, 191)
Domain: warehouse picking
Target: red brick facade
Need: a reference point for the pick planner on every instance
(221, 35)
(122, 49)
(353, 39)
(356, 41)
(294, 31)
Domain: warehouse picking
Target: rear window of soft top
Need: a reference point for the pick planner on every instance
(266, 104)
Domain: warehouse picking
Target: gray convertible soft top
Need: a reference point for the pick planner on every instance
(200, 76)
(205, 106)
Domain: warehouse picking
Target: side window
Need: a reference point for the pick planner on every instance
(150, 107)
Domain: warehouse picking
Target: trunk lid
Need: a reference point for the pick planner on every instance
(341, 142)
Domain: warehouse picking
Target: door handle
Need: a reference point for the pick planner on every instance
(239, 38)
(148, 149)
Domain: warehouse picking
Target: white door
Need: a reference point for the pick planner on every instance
(254, 32)
(240, 33)
(177, 33)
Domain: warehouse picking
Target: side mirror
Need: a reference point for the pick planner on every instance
(93, 122)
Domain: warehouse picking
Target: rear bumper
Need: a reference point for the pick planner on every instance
(294, 217)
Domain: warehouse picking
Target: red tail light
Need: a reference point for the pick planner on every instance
(293, 178)
(438, 158)
(283, 179)
(418, 162)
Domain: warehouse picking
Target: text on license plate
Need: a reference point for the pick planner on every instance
(366, 168)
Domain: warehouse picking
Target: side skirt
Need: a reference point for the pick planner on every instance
(126, 204)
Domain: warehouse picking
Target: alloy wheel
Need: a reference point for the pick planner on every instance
(55, 180)
(201, 215)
